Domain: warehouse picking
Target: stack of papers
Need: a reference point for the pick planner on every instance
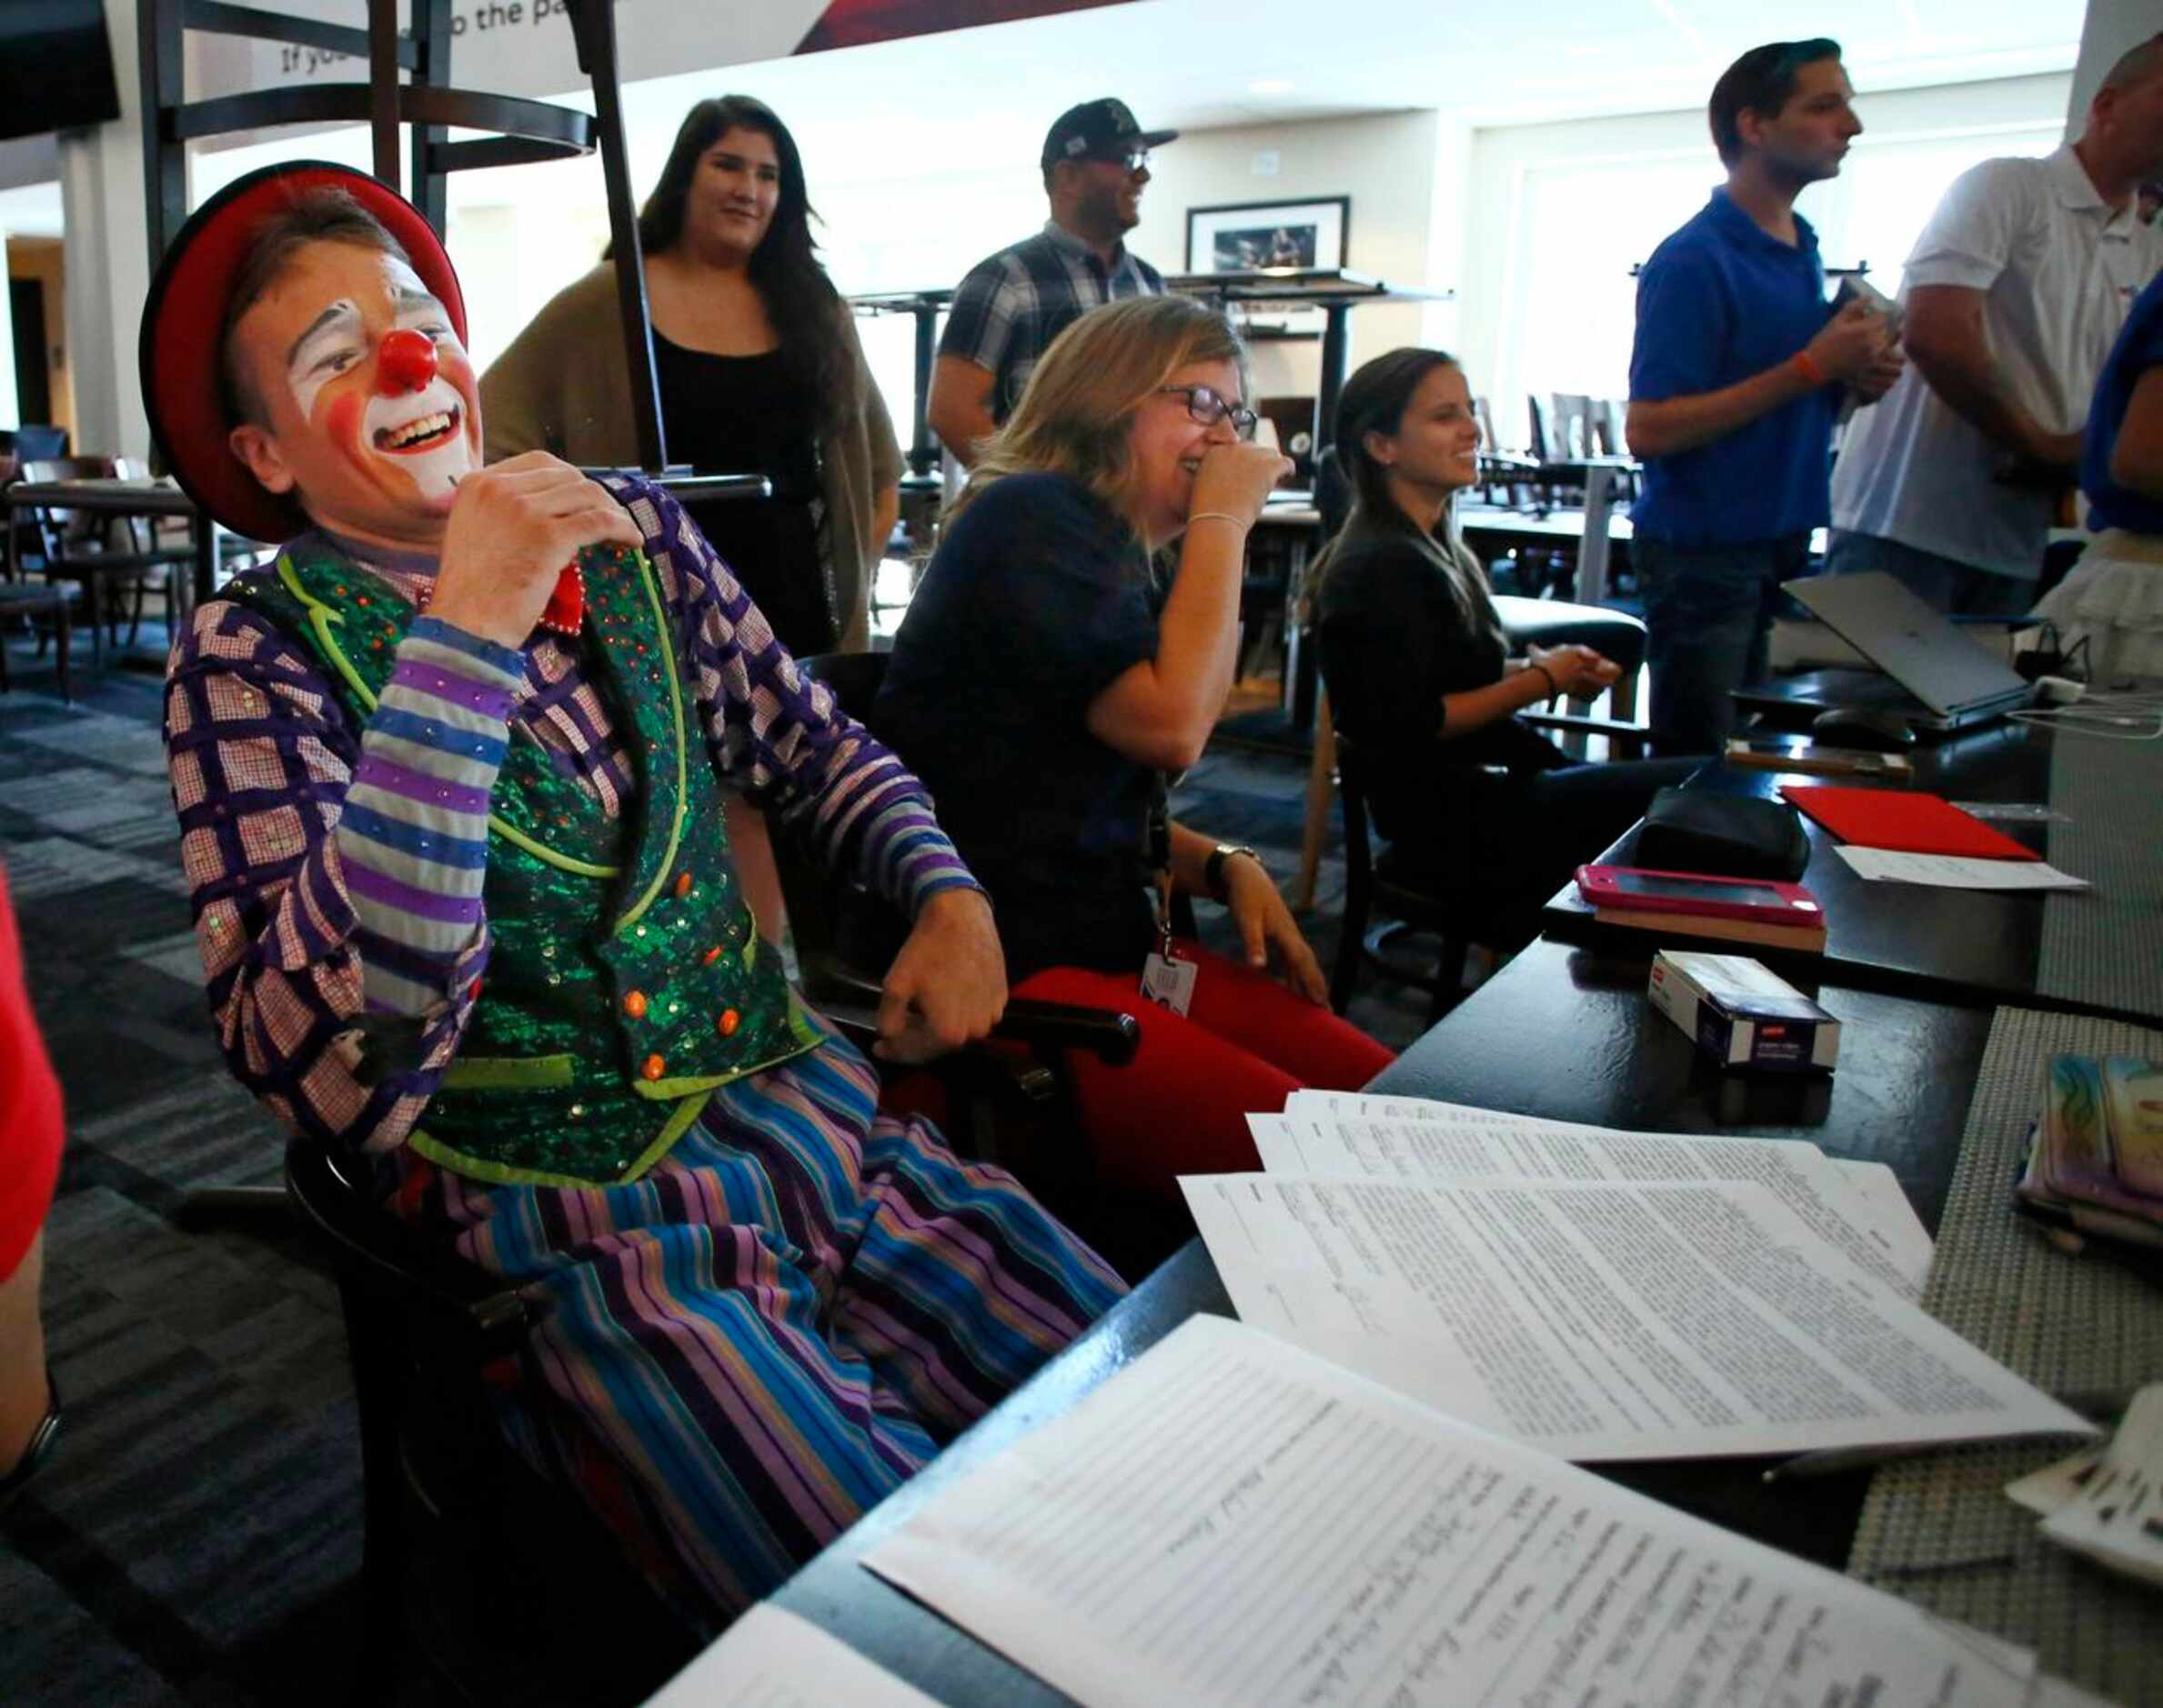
(2095, 1165)
(1361, 1492)
(1231, 1520)
(1603, 1295)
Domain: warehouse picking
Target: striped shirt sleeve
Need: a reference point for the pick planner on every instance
(261, 756)
(414, 837)
(779, 735)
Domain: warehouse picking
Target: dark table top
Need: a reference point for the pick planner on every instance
(1561, 1032)
(1960, 945)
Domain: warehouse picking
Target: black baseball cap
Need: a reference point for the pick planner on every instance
(1097, 129)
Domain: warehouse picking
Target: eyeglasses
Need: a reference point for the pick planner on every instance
(1127, 160)
(1207, 406)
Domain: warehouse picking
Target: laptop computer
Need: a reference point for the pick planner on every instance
(1955, 682)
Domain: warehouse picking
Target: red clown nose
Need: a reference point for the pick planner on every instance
(405, 361)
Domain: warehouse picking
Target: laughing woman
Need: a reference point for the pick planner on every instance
(1046, 686)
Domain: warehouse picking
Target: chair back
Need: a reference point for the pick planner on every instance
(1573, 433)
(1544, 445)
(60, 529)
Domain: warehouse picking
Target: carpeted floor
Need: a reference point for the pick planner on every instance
(197, 1537)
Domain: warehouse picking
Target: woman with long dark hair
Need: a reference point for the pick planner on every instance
(761, 372)
(1419, 669)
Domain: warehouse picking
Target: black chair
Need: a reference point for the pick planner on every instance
(1613, 634)
(102, 551)
(493, 1578)
(1010, 1101)
(1460, 916)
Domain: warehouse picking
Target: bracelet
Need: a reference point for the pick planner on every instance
(1554, 687)
(1217, 516)
(1212, 868)
(1807, 365)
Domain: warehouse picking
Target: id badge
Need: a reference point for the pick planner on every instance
(1169, 984)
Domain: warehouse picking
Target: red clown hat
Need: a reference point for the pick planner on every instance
(177, 353)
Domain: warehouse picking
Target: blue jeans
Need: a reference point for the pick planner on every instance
(1944, 584)
(1709, 614)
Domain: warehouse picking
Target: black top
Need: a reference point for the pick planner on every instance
(1039, 597)
(739, 415)
(1404, 620)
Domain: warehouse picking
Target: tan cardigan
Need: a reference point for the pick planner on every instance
(564, 386)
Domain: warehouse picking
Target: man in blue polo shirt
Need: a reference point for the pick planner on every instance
(1735, 380)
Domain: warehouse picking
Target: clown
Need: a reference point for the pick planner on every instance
(449, 780)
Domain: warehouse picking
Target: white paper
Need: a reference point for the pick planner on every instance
(1889, 1218)
(1446, 1142)
(1230, 1520)
(1606, 1321)
(1951, 871)
(2057, 1482)
(771, 1658)
(2118, 1517)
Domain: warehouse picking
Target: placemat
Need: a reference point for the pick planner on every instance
(1937, 1529)
(2105, 945)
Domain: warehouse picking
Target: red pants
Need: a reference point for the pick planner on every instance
(1180, 1107)
(30, 1123)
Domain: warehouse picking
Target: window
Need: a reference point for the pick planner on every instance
(1568, 306)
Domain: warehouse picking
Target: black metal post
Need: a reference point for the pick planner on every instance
(431, 42)
(923, 457)
(164, 89)
(593, 27)
(383, 91)
(1336, 351)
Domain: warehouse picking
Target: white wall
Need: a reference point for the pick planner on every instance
(1385, 163)
(1494, 288)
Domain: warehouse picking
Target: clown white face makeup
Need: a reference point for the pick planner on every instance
(373, 405)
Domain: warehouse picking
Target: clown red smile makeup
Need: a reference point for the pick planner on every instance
(379, 418)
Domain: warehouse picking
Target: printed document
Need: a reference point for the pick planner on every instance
(1231, 1520)
(1318, 1135)
(771, 1658)
(1606, 1321)
(1955, 871)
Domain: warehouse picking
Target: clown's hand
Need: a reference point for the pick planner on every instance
(512, 529)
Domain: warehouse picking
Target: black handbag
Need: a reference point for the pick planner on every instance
(1729, 836)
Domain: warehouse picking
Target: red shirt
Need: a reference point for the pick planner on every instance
(30, 1117)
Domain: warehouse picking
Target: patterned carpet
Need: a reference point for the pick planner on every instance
(195, 1538)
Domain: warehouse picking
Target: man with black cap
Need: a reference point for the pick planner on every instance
(1013, 304)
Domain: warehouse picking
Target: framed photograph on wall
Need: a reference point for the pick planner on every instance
(1241, 236)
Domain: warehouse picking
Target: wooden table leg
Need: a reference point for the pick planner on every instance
(1321, 779)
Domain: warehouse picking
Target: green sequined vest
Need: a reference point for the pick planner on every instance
(624, 980)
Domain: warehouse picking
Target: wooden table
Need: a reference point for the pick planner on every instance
(1953, 945)
(1564, 1033)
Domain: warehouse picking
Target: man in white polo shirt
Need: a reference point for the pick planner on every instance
(2013, 295)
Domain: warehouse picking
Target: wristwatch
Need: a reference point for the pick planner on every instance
(1212, 869)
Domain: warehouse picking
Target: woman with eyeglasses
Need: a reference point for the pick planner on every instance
(1048, 683)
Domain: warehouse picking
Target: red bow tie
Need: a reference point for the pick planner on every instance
(566, 609)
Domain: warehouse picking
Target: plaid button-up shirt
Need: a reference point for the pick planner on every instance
(1013, 304)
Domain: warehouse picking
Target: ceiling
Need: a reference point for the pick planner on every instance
(947, 102)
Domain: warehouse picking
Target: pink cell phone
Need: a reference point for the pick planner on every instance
(1758, 899)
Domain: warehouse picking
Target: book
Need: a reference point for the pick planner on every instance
(1772, 755)
(1808, 937)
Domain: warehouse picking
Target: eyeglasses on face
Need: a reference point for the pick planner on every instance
(1207, 406)
(1126, 160)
